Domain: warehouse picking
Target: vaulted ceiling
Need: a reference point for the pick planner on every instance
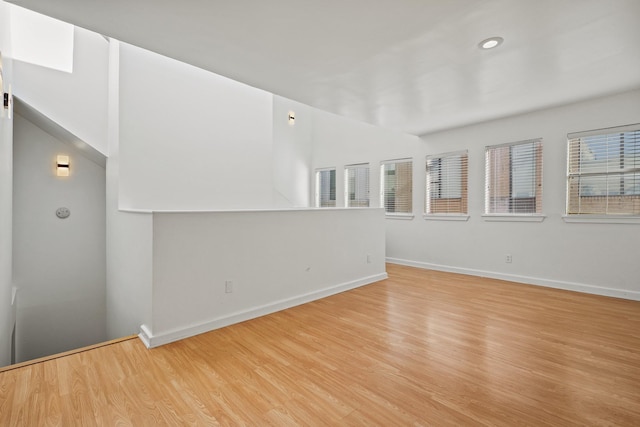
(409, 65)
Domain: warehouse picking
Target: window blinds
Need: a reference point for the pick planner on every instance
(357, 186)
(604, 172)
(514, 178)
(447, 183)
(396, 184)
(326, 188)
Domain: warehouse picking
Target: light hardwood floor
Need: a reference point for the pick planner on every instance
(421, 348)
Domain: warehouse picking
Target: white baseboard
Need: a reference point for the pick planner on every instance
(556, 284)
(145, 335)
(150, 340)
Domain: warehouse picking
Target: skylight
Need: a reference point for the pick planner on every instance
(41, 40)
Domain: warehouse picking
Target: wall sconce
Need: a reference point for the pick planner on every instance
(7, 98)
(7, 101)
(292, 118)
(62, 163)
(6, 105)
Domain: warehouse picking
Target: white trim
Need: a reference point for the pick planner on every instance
(548, 283)
(398, 216)
(223, 211)
(604, 131)
(449, 154)
(401, 160)
(135, 211)
(513, 218)
(145, 336)
(167, 337)
(446, 217)
(511, 144)
(602, 219)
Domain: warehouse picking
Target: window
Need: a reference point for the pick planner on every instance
(603, 174)
(357, 186)
(514, 178)
(41, 40)
(396, 186)
(447, 184)
(326, 188)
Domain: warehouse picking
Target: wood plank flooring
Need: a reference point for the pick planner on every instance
(421, 348)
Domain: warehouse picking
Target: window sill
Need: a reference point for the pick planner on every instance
(399, 216)
(602, 219)
(446, 217)
(514, 218)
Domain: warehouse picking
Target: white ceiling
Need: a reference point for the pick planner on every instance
(409, 65)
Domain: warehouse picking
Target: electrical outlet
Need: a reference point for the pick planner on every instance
(228, 286)
(368, 259)
(507, 259)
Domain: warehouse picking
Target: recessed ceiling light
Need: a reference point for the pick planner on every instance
(490, 43)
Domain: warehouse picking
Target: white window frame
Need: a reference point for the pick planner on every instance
(463, 187)
(317, 187)
(395, 215)
(615, 218)
(490, 176)
(365, 187)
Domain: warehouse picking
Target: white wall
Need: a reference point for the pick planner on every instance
(598, 258)
(58, 264)
(129, 272)
(129, 235)
(292, 149)
(274, 260)
(186, 139)
(338, 142)
(76, 101)
(6, 191)
(190, 139)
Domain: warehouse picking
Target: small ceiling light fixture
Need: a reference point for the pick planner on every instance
(490, 43)
(292, 118)
(62, 163)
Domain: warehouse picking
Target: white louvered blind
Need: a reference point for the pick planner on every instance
(357, 186)
(396, 181)
(447, 183)
(514, 178)
(326, 188)
(604, 172)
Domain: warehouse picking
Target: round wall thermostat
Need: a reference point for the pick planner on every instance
(63, 213)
